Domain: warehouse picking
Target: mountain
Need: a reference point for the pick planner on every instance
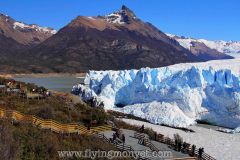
(224, 47)
(116, 41)
(15, 39)
(24, 33)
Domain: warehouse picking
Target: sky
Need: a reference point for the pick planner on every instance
(209, 19)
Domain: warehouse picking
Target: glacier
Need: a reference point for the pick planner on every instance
(176, 95)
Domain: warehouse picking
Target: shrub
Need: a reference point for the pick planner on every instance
(9, 147)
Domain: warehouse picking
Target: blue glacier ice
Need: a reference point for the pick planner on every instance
(170, 95)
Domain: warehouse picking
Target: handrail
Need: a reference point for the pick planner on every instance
(52, 124)
(121, 147)
(168, 141)
(139, 135)
(149, 144)
(152, 146)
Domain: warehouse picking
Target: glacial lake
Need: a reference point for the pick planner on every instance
(57, 83)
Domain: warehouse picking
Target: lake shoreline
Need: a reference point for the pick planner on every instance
(57, 82)
(42, 75)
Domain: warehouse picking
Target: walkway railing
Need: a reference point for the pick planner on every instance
(144, 139)
(52, 124)
(188, 149)
(166, 140)
(120, 146)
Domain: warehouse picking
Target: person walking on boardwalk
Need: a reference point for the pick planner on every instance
(114, 137)
(200, 152)
(123, 138)
(155, 136)
(184, 147)
(142, 129)
(179, 146)
(176, 145)
(193, 150)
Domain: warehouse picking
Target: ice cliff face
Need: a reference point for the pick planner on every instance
(177, 95)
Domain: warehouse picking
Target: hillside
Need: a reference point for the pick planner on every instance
(26, 34)
(15, 39)
(116, 41)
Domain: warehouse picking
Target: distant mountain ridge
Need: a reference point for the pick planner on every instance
(16, 38)
(119, 40)
(24, 33)
(225, 47)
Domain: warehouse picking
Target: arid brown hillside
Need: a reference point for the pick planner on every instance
(116, 41)
(23, 33)
(15, 39)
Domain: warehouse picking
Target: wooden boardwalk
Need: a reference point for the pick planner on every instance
(52, 124)
(132, 144)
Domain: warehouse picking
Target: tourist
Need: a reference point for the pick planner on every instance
(142, 129)
(123, 138)
(176, 145)
(114, 136)
(155, 136)
(184, 147)
(193, 150)
(179, 146)
(118, 133)
(200, 152)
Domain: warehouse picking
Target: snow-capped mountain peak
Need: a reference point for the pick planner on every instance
(23, 33)
(122, 16)
(21, 25)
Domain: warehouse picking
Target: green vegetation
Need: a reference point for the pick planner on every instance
(56, 106)
(24, 141)
(27, 142)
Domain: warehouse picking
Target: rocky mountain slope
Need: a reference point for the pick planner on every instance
(15, 39)
(24, 33)
(116, 41)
